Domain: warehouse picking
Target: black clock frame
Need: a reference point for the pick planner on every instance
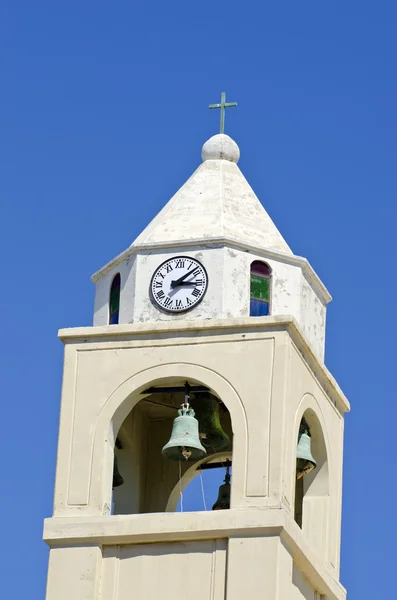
(177, 312)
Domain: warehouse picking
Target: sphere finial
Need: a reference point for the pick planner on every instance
(220, 147)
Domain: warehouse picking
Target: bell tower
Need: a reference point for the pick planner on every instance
(206, 351)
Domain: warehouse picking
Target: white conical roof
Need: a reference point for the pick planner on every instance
(216, 202)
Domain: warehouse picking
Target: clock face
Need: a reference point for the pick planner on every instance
(178, 284)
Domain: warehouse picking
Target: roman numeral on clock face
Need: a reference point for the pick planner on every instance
(168, 302)
(160, 294)
(178, 304)
(196, 292)
(180, 264)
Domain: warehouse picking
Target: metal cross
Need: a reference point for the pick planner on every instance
(222, 106)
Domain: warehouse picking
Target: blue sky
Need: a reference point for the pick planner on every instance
(103, 112)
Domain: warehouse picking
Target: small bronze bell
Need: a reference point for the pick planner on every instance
(223, 500)
(304, 459)
(212, 436)
(117, 478)
(184, 441)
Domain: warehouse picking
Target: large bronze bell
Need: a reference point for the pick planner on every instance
(304, 459)
(117, 478)
(184, 441)
(212, 436)
(223, 500)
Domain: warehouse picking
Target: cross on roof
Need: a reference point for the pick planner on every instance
(222, 106)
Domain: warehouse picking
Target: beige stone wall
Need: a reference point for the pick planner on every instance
(243, 565)
(266, 375)
(194, 570)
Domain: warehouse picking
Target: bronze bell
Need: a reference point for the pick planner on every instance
(184, 441)
(212, 436)
(223, 500)
(117, 478)
(304, 459)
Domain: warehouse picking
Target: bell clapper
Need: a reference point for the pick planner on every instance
(186, 452)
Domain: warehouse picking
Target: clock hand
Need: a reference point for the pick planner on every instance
(186, 283)
(178, 281)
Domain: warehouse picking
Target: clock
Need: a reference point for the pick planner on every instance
(178, 284)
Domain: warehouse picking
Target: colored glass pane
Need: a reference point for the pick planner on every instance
(259, 288)
(258, 308)
(114, 318)
(260, 268)
(114, 300)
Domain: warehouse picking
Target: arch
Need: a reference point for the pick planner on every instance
(127, 395)
(312, 492)
(260, 288)
(189, 475)
(310, 404)
(114, 300)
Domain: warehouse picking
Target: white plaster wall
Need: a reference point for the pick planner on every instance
(211, 305)
(127, 296)
(312, 317)
(291, 294)
(227, 295)
(235, 283)
(284, 292)
(285, 285)
(285, 289)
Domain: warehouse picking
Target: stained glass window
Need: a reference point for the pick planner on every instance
(114, 300)
(260, 289)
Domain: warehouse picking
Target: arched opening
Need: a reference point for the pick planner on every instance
(312, 486)
(206, 485)
(155, 478)
(114, 300)
(260, 289)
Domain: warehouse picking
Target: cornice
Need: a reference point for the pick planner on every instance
(291, 259)
(176, 527)
(132, 332)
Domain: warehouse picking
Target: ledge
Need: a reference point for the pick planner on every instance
(134, 331)
(220, 242)
(167, 527)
